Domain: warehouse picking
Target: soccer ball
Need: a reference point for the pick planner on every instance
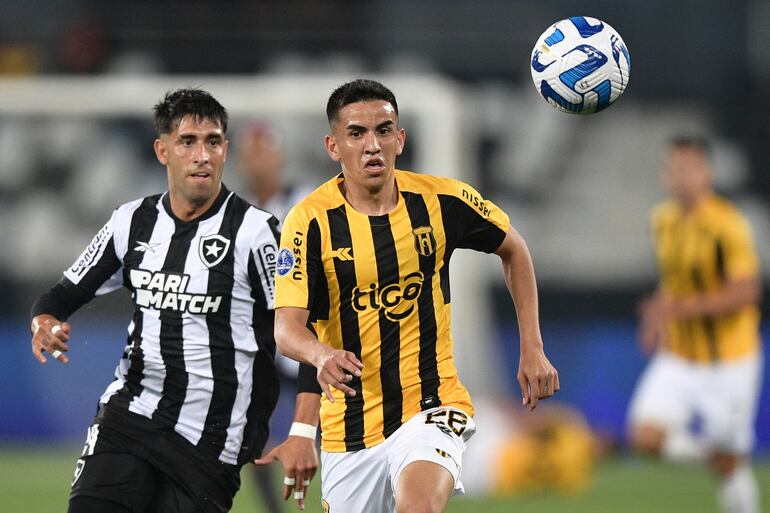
(580, 65)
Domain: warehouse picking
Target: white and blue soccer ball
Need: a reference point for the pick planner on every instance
(580, 65)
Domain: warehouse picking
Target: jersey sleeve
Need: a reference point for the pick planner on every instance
(739, 256)
(298, 262)
(262, 264)
(97, 270)
(479, 223)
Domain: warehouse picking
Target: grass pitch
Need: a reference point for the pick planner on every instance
(35, 479)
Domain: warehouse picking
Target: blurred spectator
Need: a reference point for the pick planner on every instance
(261, 165)
(18, 59)
(83, 49)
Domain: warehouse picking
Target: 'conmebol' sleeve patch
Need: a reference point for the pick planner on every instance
(285, 262)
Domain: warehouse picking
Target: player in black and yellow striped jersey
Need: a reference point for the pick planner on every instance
(362, 292)
(703, 324)
(697, 254)
(384, 296)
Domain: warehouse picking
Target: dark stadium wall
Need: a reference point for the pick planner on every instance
(597, 358)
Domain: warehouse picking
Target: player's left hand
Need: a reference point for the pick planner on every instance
(538, 379)
(299, 458)
(51, 335)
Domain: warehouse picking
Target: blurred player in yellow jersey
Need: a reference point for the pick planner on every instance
(362, 289)
(702, 324)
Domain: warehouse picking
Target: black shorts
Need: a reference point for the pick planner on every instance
(129, 460)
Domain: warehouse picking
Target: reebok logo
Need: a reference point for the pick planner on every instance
(143, 247)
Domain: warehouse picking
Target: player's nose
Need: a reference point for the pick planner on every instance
(371, 143)
(201, 153)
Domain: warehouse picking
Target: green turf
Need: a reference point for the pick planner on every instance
(33, 480)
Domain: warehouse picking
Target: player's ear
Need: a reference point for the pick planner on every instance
(330, 143)
(161, 151)
(401, 134)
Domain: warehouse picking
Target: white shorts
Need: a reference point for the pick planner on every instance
(364, 481)
(723, 396)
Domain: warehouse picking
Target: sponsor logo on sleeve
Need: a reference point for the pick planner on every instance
(267, 256)
(476, 202)
(89, 256)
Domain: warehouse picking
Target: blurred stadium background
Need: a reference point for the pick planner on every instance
(77, 82)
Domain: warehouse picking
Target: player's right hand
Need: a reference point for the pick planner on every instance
(50, 334)
(335, 368)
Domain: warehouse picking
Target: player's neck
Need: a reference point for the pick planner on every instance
(690, 205)
(186, 209)
(372, 202)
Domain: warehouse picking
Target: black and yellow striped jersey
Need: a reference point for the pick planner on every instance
(697, 253)
(379, 286)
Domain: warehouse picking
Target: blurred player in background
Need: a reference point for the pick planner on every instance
(363, 296)
(553, 451)
(196, 385)
(262, 168)
(261, 164)
(702, 324)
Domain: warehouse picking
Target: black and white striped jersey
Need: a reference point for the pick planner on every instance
(200, 349)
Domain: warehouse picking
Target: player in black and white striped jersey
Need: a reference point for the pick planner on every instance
(195, 388)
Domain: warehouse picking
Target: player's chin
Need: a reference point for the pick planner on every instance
(200, 191)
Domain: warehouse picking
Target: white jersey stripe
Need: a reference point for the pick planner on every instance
(154, 369)
(197, 355)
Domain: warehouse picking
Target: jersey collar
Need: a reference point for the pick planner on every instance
(224, 193)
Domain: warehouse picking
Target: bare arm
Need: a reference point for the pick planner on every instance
(731, 297)
(335, 367)
(657, 310)
(537, 377)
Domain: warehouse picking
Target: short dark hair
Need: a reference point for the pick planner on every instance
(691, 142)
(184, 102)
(360, 90)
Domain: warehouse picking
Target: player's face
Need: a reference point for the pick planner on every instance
(366, 140)
(194, 154)
(687, 174)
(261, 159)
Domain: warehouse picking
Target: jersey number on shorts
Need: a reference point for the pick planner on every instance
(448, 421)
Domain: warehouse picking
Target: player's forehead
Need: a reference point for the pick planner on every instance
(191, 124)
(368, 113)
(685, 156)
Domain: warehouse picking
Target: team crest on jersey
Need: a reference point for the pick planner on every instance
(285, 262)
(424, 241)
(212, 249)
